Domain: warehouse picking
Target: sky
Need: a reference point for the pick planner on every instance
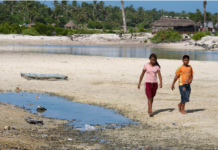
(176, 6)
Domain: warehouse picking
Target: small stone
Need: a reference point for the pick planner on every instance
(7, 128)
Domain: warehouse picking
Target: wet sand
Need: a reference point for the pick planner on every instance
(112, 83)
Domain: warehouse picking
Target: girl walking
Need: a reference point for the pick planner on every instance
(151, 84)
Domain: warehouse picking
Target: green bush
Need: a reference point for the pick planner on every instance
(141, 29)
(115, 28)
(147, 30)
(95, 25)
(83, 31)
(166, 36)
(23, 28)
(5, 28)
(59, 31)
(30, 31)
(65, 32)
(111, 31)
(216, 34)
(91, 25)
(130, 30)
(146, 41)
(107, 26)
(98, 25)
(43, 29)
(15, 28)
(49, 33)
(71, 32)
(199, 35)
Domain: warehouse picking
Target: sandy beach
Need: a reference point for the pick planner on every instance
(112, 83)
(96, 40)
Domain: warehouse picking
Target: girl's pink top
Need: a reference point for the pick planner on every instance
(151, 73)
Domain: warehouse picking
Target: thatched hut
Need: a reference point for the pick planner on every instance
(70, 25)
(180, 25)
(30, 24)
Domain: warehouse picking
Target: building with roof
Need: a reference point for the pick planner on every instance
(30, 24)
(70, 25)
(180, 25)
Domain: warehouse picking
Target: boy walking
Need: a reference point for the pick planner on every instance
(185, 75)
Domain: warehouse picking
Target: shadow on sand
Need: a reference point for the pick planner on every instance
(194, 110)
(163, 110)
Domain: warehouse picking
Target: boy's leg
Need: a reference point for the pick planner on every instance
(180, 106)
(183, 109)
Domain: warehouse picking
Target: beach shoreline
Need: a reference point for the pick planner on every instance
(96, 80)
(110, 40)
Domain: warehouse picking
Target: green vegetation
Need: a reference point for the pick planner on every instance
(42, 29)
(146, 41)
(95, 25)
(30, 31)
(83, 31)
(94, 15)
(199, 35)
(166, 36)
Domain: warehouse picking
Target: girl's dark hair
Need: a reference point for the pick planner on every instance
(155, 56)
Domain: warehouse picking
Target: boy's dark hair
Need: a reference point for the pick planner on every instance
(155, 56)
(185, 56)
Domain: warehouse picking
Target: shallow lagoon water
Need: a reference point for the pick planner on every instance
(60, 108)
(106, 51)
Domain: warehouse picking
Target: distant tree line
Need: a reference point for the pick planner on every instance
(94, 15)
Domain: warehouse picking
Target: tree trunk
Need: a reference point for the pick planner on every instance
(12, 4)
(93, 10)
(24, 17)
(124, 18)
(205, 16)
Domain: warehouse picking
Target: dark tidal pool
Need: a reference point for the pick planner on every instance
(60, 108)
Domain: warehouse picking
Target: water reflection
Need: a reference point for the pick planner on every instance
(60, 108)
(135, 52)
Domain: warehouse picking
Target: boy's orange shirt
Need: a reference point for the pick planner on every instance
(184, 74)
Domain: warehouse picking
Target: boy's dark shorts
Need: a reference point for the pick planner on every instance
(185, 91)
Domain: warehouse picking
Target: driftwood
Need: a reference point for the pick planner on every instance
(51, 77)
(33, 121)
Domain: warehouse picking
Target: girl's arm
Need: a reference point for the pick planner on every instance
(160, 78)
(141, 77)
(174, 81)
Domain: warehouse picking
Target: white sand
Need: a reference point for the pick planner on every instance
(96, 40)
(112, 83)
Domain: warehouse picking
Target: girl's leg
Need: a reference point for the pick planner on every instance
(150, 102)
(183, 109)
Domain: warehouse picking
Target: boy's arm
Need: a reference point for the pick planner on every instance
(160, 78)
(174, 81)
(190, 80)
(141, 77)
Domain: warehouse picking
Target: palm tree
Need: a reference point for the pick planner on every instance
(205, 15)
(94, 6)
(124, 18)
(81, 16)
